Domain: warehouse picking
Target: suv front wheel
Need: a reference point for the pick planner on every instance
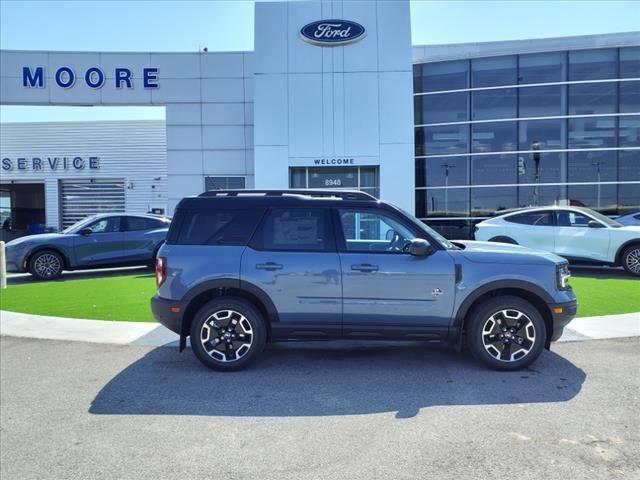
(506, 333)
(227, 334)
(631, 259)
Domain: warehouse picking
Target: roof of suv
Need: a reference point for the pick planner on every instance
(288, 197)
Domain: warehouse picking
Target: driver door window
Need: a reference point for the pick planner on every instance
(367, 231)
(573, 219)
(105, 225)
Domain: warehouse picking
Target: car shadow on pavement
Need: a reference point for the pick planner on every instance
(339, 378)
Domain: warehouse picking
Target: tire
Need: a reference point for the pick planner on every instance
(504, 240)
(485, 327)
(46, 264)
(631, 259)
(243, 318)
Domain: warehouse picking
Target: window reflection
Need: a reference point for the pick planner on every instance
(601, 198)
(630, 131)
(494, 71)
(593, 64)
(446, 202)
(452, 229)
(591, 98)
(535, 196)
(542, 134)
(493, 169)
(486, 201)
(593, 166)
(491, 104)
(532, 173)
(630, 62)
(629, 97)
(442, 139)
(541, 167)
(441, 108)
(542, 101)
(594, 132)
(437, 76)
(494, 137)
(446, 171)
(542, 67)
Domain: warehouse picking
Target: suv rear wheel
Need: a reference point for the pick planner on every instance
(227, 334)
(506, 333)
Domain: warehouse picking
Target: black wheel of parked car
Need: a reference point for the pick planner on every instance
(228, 333)
(631, 259)
(506, 333)
(502, 239)
(46, 264)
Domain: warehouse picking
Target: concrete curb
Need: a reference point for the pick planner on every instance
(151, 334)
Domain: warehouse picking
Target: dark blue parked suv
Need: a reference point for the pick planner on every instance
(241, 268)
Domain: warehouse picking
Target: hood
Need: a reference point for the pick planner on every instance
(40, 238)
(493, 252)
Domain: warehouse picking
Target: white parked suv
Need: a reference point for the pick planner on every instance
(578, 234)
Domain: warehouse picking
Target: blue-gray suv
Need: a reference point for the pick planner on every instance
(242, 268)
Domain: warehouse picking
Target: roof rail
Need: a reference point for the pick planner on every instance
(343, 194)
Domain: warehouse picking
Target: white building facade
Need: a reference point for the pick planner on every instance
(327, 99)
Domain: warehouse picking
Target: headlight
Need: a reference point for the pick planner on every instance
(562, 277)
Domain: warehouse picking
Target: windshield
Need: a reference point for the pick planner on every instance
(435, 235)
(609, 222)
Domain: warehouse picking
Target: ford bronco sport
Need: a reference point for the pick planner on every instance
(242, 268)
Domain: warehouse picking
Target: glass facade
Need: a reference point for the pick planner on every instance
(552, 128)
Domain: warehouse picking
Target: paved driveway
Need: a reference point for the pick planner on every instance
(79, 410)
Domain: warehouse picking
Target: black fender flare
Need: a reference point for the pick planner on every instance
(253, 291)
(235, 283)
(464, 308)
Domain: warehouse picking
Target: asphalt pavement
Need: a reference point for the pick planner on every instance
(74, 410)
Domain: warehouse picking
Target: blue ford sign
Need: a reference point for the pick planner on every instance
(332, 33)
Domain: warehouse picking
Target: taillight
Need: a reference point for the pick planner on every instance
(161, 270)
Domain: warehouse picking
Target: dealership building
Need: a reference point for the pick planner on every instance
(334, 95)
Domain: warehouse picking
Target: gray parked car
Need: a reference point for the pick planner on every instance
(100, 241)
(630, 218)
(241, 268)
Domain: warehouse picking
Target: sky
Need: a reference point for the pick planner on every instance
(184, 26)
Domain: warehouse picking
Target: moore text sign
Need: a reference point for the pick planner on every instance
(93, 77)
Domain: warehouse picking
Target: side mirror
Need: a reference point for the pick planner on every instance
(594, 224)
(420, 248)
(390, 234)
(85, 231)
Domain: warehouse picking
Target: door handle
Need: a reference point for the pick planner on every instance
(269, 266)
(365, 267)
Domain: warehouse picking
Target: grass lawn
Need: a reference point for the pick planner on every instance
(108, 297)
(126, 296)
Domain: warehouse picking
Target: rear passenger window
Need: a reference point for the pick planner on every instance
(295, 229)
(228, 227)
(141, 223)
(541, 219)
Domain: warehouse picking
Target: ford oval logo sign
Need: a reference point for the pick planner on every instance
(332, 33)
